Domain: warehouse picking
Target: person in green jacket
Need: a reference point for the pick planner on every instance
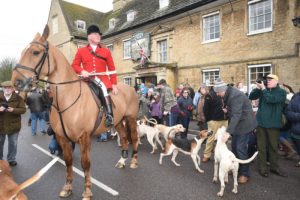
(269, 118)
(11, 108)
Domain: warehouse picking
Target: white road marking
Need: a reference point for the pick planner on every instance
(77, 171)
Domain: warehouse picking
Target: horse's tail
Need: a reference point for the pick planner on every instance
(33, 179)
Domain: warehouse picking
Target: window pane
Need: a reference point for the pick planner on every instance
(127, 49)
(260, 15)
(162, 54)
(211, 27)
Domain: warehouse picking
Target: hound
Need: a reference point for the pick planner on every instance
(176, 145)
(9, 189)
(152, 134)
(226, 161)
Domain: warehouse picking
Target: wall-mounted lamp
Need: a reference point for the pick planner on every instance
(296, 21)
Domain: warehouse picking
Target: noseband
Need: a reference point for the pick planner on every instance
(37, 69)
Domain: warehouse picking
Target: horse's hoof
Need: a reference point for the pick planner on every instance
(86, 195)
(120, 165)
(133, 165)
(66, 191)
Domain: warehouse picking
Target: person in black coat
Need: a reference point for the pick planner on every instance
(241, 123)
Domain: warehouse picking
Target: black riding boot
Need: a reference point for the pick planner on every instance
(109, 120)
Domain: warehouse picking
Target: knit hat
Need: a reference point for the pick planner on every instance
(220, 86)
(93, 29)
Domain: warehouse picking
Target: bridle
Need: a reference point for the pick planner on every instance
(37, 69)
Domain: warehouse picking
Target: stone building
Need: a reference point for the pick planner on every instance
(188, 41)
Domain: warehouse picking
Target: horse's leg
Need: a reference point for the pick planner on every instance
(67, 152)
(124, 143)
(85, 148)
(131, 124)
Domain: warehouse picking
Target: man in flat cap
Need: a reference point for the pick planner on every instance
(95, 58)
(271, 101)
(11, 108)
(241, 123)
(169, 104)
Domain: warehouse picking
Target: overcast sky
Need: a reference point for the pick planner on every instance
(20, 20)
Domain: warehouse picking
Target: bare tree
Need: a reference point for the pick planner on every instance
(6, 66)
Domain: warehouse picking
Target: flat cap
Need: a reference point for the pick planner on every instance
(7, 84)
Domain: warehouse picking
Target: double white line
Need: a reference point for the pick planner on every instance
(77, 171)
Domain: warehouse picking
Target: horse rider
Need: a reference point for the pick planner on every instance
(96, 59)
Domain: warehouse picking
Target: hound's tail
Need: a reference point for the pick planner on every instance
(248, 160)
(151, 120)
(33, 179)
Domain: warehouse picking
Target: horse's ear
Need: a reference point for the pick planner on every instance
(46, 32)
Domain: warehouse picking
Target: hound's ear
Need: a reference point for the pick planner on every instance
(225, 137)
(46, 32)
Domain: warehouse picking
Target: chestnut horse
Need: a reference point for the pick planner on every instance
(75, 111)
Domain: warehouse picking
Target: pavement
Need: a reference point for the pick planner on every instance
(149, 181)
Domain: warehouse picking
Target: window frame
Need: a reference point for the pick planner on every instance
(204, 27)
(161, 53)
(130, 16)
(112, 23)
(204, 71)
(249, 67)
(128, 78)
(259, 31)
(163, 4)
(78, 23)
(110, 47)
(126, 57)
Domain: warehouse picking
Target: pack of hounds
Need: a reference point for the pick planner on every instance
(225, 160)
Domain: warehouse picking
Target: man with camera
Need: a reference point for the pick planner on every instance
(271, 101)
(11, 108)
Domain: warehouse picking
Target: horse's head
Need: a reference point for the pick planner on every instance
(34, 63)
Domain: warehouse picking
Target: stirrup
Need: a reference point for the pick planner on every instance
(109, 120)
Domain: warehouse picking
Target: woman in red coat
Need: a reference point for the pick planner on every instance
(93, 58)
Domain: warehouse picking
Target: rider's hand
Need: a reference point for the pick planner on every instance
(85, 74)
(114, 89)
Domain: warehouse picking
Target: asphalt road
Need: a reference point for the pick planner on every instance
(150, 181)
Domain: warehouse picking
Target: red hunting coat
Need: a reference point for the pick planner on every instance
(85, 60)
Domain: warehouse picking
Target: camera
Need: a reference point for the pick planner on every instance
(5, 105)
(261, 80)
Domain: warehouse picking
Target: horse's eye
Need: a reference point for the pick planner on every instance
(36, 53)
